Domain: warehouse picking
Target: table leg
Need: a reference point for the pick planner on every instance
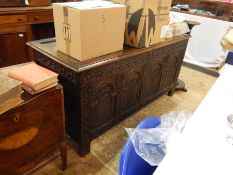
(64, 155)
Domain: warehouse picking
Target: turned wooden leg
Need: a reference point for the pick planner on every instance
(64, 155)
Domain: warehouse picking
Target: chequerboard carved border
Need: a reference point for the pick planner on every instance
(56, 67)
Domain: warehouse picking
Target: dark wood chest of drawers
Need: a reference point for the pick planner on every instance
(31, 131)
(103, 91)
(19, 25)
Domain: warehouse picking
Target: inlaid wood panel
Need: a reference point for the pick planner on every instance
(31, 131)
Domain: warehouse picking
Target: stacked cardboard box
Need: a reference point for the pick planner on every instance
(89, 29)
(18, 3)
(227, 40)
(145, 20)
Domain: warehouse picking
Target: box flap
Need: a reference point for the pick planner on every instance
(229, 36)
(87, 5)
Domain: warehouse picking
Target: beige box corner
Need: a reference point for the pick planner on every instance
(89, 29)
(145, 20)
(227, 40)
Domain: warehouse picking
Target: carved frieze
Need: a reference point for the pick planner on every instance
(99, 72)
(56, 67)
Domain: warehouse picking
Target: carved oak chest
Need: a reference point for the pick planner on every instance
(31, 131)
(103, 91)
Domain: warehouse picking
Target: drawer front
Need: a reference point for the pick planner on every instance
(41, 17)
(8, 19)
(12, 3)
(16, 41)
(39, 2)
(28, 136)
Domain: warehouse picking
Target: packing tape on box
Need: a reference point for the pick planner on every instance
(161, 7)
(66, 29)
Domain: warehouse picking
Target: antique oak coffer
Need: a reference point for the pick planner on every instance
(102, 91)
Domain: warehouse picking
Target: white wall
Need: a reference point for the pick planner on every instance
(204, 47)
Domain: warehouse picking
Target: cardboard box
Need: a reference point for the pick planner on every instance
(176, 29)
(227, 40)
(229, 36)
(89, 29)
(16, 3)
(145, 20)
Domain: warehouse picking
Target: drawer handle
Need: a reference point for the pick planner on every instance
(36, 18)
(16, 118)
(20, 19)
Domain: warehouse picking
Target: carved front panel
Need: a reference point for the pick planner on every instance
(132, 88)
(169, 72)
(173, 61)
(152, 77)
(60, 69)
(103, 105)
(155, 79)
(93, 105)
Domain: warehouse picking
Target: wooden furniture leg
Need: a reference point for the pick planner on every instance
(180, 86)
(64, 155)
(171, 92)
(84, 147)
